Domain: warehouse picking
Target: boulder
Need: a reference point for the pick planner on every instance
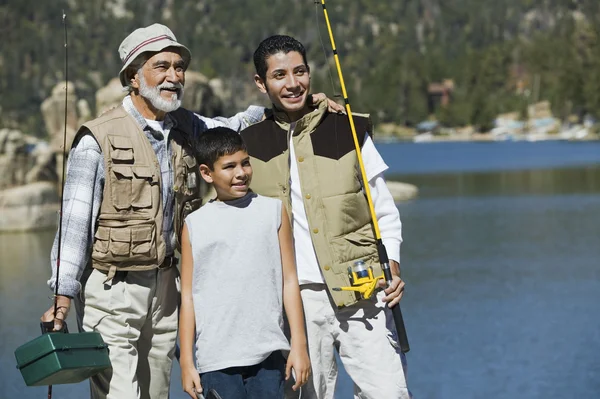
(402, 191)
(29, 207)
(200, 96)
(53, 112)
(109, 96)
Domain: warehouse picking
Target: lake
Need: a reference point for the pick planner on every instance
(500, 256)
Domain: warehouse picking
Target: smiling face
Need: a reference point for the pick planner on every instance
(230, 176)
(287, 83)
(159, 83)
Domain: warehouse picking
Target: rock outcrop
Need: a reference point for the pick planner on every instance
(402, 191)
(200, 95)
(53, 111)
(109, 96)
(30, 207)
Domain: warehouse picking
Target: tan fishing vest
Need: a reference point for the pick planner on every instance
(330, 180)
(130, 221)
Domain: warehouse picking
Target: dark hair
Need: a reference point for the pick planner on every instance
(273, 45)
(217, 142)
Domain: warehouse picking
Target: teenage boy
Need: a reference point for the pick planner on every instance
(237, 272)
(305, 156)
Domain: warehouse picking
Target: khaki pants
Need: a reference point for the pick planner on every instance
(136, 314)
(365, 338)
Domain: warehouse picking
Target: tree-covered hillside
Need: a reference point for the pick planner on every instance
(500, 55)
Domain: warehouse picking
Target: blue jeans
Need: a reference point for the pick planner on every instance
(261, 381)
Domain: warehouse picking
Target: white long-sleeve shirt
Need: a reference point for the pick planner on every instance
(388, 216)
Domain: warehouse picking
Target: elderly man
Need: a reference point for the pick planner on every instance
(131, 180)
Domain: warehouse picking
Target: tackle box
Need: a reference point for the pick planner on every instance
(62, 358)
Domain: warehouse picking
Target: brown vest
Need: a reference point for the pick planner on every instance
(129, 227)
(130, 222)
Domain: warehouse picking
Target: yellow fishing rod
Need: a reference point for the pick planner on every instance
(383, 256)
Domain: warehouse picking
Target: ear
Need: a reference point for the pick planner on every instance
(206, 173)
(135, 81)
(260, 84)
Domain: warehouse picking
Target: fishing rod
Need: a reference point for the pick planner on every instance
(62, 181)
(381, 251)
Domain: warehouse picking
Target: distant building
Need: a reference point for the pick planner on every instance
(439, 94)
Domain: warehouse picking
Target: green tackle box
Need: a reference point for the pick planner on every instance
(61, 358)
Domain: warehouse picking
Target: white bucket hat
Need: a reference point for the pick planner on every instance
(152, 38)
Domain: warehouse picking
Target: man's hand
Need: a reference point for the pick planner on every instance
(396, 289)
(63, 305)
(332, 106)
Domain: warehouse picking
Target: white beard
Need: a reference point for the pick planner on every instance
(152, 94)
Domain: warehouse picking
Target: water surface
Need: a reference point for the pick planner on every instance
(500, 255)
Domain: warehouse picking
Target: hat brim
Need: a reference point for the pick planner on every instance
(155, 48)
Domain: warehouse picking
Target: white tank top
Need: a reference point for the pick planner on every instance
(237, 282)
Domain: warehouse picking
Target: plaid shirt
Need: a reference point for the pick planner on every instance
(84, 187)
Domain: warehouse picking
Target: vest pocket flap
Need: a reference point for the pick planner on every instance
(102, 233)
(123, 171)
(142, 234)
(122, 149)
(120, 142)
(120, 242)
(120, 235)
(121, 155)
(189, 160)
(142, 241)
(101, 239)
(143, 172)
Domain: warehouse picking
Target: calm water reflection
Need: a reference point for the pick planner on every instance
(502, 296)
(504, 285)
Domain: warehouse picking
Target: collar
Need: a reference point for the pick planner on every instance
(141, 121)
(308, 122)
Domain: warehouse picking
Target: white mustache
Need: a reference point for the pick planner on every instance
(168, 85)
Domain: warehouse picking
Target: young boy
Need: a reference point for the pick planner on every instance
(237, 270)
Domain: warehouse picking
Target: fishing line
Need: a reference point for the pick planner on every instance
(62, 186)
(333, 88)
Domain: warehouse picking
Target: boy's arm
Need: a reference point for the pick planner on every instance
(187, 322)
(292, 302)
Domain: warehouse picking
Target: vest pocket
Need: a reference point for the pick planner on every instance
(101, 240)
(121, 149)
(142, 242)
(120, 242)
(125, 244)
(121, 186)
(132, 186)
(359, 244)
(141, 188)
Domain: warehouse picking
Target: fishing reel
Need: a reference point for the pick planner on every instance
(361, 280)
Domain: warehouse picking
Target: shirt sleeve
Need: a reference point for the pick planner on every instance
(387, 213)
(239, 121)
(84, 184)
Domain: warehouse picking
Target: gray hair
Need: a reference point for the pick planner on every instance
(135, 67)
